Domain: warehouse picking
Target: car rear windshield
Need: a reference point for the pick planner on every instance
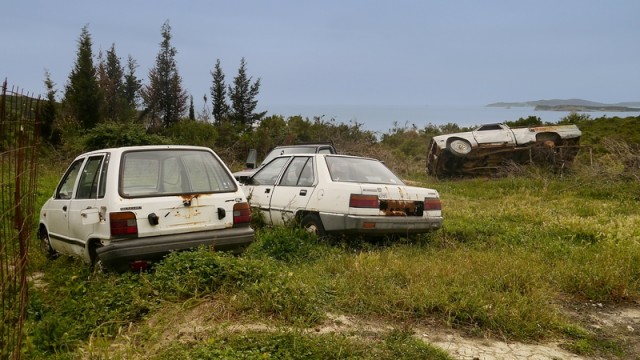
(360, 170)
(173, 171)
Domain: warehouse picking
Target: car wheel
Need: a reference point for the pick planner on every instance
(459, 147)
(45, 245)
(98, 267)
(313, 224)
(96, 263)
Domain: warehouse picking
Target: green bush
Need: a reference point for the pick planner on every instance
(196, 133)
(288, 244)
(202, 271)
(111, 134)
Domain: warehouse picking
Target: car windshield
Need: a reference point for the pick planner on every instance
(360, 170)
(172, 171)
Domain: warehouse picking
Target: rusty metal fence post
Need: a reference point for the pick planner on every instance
(19, 115)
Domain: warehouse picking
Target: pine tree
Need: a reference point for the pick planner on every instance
(205, 114)
(111, 75)
(243, 99)
(82, 97)
(192, 111)
(49, 112)
(132, 84)
(164, 98)
(219, 95)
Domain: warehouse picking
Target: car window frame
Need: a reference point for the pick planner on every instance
(67, 177)
(95, 183)
(272, 179)
(308, 162)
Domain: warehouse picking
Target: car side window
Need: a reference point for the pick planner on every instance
(307, 177)
(65, 189)
(88, 182)
(269, 173)
(298, 173)
(103, 177)
(489, 127)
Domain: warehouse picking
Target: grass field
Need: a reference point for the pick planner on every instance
(516, 257)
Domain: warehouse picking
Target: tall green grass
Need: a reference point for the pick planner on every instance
(513, 253)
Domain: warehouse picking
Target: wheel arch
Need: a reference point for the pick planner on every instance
(42, 227)
(300, 214)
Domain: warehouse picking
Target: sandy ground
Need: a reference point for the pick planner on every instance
(620, 323)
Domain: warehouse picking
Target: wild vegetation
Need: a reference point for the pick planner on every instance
(520, 255)
(517, 255)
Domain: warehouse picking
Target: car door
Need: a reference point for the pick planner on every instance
(83, 212)
(261, 185)
(493, 135)
(293, 191)
(57, 211)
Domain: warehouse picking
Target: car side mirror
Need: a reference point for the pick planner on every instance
(251, 159)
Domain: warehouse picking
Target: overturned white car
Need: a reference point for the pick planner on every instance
(490, 146)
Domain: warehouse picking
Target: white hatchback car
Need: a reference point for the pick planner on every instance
(123, 207)
(341, 194)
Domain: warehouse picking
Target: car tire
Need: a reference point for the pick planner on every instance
(313, 224)
(45, 245)
(96, 263)
(459, 147)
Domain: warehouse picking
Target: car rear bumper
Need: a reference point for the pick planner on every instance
(117, 255)
(379, 225)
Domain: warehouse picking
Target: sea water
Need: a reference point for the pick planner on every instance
(381, 119)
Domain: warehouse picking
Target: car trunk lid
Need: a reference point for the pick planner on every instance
(183, 213)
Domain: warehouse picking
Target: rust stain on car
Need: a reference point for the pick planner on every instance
(401, 207)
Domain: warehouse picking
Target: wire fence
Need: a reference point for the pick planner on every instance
(19, 119)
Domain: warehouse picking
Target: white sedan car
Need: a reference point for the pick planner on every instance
(329, 193)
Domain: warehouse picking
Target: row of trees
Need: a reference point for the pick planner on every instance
(101, 89)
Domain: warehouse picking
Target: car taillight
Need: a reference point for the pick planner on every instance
(241, 213)
(432, 204)
(363, 201)
(123, 224)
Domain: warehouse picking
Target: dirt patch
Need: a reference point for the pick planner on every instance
(453, 342)
(611, 323)
(196, 322)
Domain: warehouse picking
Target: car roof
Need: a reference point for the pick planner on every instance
(122, 149)
(329, 155)
(302, 145)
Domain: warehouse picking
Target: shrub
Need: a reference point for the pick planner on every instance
(203, 271)
(110, 134)
(287, 243)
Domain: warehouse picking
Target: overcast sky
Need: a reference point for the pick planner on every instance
(347, 52)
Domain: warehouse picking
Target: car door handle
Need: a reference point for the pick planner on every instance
(303, 192)
(64, 208)
(266, 191)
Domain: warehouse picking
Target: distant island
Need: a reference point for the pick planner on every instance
(576, 105)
